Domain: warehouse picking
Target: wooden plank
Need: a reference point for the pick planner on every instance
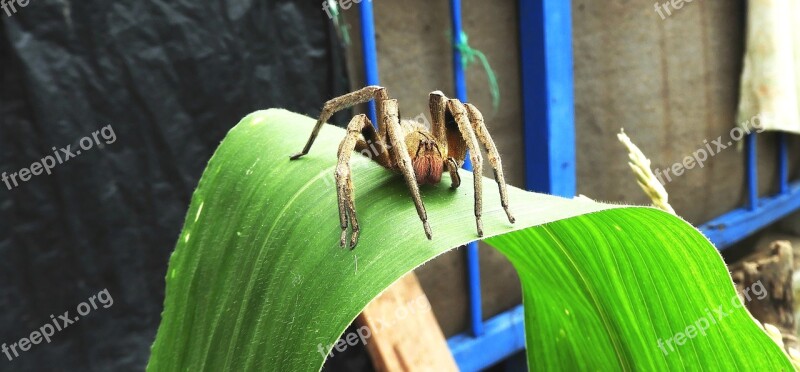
(405, 333)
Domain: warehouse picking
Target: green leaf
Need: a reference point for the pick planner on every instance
(258, 282)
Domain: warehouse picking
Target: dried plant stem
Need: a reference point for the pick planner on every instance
(640, 165)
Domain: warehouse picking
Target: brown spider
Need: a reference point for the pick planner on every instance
(407, 147)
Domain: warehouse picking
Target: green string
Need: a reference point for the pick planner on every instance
(338, 21)
(468, 55)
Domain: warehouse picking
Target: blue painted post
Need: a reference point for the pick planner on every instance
(547, 96)
(369, 51)
(549, 120)
(783, 163)
(752, 172)
(473, 263)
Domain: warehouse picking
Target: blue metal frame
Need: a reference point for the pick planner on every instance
(370, 52)
(549, 129)
(473, 263)
(758, 213)
(740, 223)
(752, 172)
(783, 163)
(547, 96)
(504, 335)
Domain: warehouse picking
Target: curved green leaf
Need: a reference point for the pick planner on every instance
(258, 282)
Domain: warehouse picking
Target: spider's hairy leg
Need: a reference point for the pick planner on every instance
(402, 160)
(459, 113)
(452, 167)
(340, 103)
(373, 147)
(476, 118)
(437, 102)
(344, 180)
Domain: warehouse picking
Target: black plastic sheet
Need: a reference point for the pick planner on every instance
(169, 78)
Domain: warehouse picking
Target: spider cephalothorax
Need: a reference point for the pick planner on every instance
(407, 147)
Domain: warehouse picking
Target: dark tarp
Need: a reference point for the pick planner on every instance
(170, 78)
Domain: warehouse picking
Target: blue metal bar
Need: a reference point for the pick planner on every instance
(743, 222)
(369, 51)
(474, 282)
(549, 125)
(473, 263)
(752, 172)
(547, 96)
(504, 337)
(783, 163)
(459, 79)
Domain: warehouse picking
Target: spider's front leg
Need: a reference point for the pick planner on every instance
(479, 126)
(438, 106)
(358, 126)
(459, 114)
(333, 106)
(452, 168)
(402, 160)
